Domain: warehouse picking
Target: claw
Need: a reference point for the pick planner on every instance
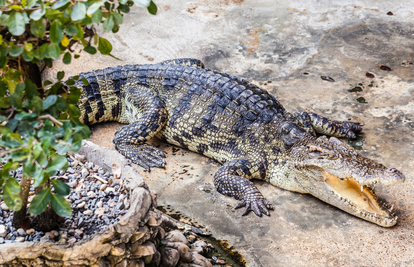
(240, 204)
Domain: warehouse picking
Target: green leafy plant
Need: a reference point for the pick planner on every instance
(39, 119)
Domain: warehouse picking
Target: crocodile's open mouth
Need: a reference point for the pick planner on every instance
(361, 199)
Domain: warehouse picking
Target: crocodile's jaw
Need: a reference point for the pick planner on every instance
(352, 197)
(338, 175)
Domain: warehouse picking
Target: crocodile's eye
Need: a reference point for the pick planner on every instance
(330, 156)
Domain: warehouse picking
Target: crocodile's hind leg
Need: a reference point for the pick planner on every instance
(232, 180)
(147, 115)
(326, 126)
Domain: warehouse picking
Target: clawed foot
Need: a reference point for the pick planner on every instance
(256, 203)
(349, 129)
(143, 155)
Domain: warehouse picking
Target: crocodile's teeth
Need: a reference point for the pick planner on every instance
(391, 208)
(362, 188)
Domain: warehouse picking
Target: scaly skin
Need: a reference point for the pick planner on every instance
(240, 125)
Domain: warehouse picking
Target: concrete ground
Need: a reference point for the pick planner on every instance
(285, 47)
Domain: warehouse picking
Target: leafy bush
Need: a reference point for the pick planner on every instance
(39, 120)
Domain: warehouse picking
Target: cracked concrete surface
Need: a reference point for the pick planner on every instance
(285, 46)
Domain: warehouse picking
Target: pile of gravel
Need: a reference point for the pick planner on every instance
(97, 201)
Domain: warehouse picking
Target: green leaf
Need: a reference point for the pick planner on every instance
(28, 55)
(108, 23)
(31, 89)
(90, 49)
(56, 31)
(78, 11)
(3, 55)
(74, 96)
(16, 23)
(79, 35)
(60, 4)
(48, 62)
(37, 104)
(30, 3)
(76, 56)
(124, 8)
(94, 7)
(118, 18)
(60, 187)
(25, 129)
(15, 50)
(49, 101)
(71, 81)
(152, 8)
(52, 14)
(61, 104)
(97, 16)
(61, 206)
(11, 194)
(37, 28)
(104, 46)
(58, 163)
(71, 29)
(13, 185)
(38, 14)
(85, 82)
(67, 58)
(74, 111)
(40, 202)
(142, 3)
(16, 100)
(54, 51)
(60, 75)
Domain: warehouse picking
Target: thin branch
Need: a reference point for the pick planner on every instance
(3, 153)
(20, 68)
(53, 119)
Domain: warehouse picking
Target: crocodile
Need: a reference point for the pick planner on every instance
(240, 125)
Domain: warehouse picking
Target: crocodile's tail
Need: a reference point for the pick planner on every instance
(101, 98)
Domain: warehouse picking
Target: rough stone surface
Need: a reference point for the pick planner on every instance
(91, 249)
(169, 257)
(176, 236)
(280, 41)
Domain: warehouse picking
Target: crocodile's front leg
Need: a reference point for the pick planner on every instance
(232, 180)
(326, 126)
(147, 115)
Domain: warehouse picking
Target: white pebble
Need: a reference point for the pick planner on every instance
(20, 239)
(81, 205)
(87, 212)
(84, 172)
(4, 207)
(91, 194)
(30, 231)
(3, 231)
(109, 189)
(99, 204)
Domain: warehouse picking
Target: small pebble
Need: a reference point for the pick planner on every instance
(91, 194)
(81, 205)
(30, 231)
(20, 239)
(4, 207)
(71, 240)
(55, 233)
(99, 204)
(103, 187)
(87, 212)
